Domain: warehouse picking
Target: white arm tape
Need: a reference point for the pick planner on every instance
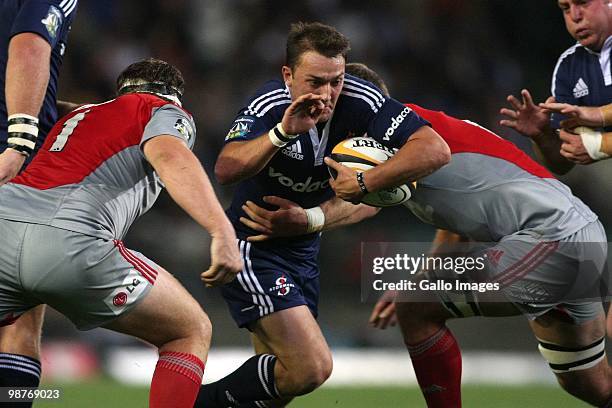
(21, 142)
(275, 140)
(316, 219)
(279, 137)
(591, 139)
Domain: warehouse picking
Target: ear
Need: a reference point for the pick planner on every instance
(287, 75)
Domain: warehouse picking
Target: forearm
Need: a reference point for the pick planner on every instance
(27, 74)
(189, 186)
(241, 160)
(606, 114)
(606, 143)
(339, 213)
(424, 153)
(547, 147)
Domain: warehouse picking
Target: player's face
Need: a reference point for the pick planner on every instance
(317, 74)
(588, 21)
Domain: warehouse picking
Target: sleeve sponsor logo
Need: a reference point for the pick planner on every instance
(52, 21)
(395, 122)
(240, 128)
(184, 128)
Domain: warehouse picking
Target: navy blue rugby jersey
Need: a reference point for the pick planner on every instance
(51, 19)
(583, 77)
(297, 171)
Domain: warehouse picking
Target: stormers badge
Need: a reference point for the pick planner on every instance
(52, 21)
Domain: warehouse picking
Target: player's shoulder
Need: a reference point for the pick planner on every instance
(58, 10)
(272, 95)
(356, 91)
(574, 54)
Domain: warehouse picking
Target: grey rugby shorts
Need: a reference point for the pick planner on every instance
(90, 280)
(569, 275)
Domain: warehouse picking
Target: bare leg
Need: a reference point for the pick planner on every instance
(172, 320)
(594, 384)
(23, 336)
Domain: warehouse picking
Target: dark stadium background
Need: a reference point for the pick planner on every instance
(462, 57)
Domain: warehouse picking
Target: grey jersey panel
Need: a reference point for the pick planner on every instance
(108, 200)
(486, 198)
(103, 205)
(170, 120)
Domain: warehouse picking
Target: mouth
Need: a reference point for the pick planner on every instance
(582, 33)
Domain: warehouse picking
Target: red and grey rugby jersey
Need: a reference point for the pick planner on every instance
(491, 189)
(91, 175)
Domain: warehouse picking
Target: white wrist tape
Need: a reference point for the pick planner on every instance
(316, 219)
(22, 132)
(279, 137)
(591, 139)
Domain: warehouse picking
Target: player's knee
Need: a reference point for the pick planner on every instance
(315, 374)
(309, 374)
(202, 328)
(193, 326)
(205, 328)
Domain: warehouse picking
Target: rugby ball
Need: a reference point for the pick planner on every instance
(363, 153)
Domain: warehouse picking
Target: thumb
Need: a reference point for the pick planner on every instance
(550, 99)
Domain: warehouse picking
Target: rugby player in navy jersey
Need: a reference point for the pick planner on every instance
(506, 198)
(33, 36)
(582, 76)
(276, 147)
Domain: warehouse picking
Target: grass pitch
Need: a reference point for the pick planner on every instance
(106, 394)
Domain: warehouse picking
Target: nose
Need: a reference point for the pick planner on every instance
(326, 91)
(575, 13)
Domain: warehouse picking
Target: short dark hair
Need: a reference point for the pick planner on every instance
(156, 75)
(364, 72)
(324, 39)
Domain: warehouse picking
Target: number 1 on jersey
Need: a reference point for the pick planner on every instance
(69, 127)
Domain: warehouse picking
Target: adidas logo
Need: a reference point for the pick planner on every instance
(294, 151)
(580, 89)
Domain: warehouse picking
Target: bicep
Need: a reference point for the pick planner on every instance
(164, 149)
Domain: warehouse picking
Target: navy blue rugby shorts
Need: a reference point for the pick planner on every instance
(273, 278)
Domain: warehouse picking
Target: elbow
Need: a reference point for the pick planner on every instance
(29, 47)
(443, 154)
